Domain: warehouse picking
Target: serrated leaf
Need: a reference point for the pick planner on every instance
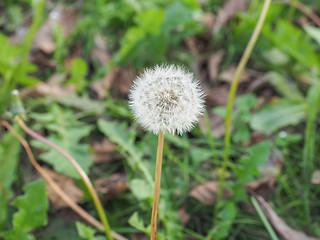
(137, 222)
(141, 189)
(68, 133)
(9, 158)
(116, 133)
(70, 143)
(278, 115)
(33, 207)
(85, 231)
(32, 211)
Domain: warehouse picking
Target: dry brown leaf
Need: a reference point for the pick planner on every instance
(217, 124)
(112, 186)
(228, 10)
(99, 51)
(117, 78)
(53, 87)
(207, 192)
(217, 96)
(214, 62)
(66, 17)
(264, 186)
(104, 146)
(208, 20)
(104, 151)
(183, 215)
(67, 185)
(286, 232)
(228, 75)
(138, 236)
(124, 79)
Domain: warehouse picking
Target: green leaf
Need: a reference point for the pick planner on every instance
(150, 20)
(9, 158)
(33, 207)
(78, 72)
(141, 189)
(225, 220)
(67, 134)
(178, 15)
(85, 232)
(285, 36)
(32, 211)
(313, 32)
(117, 133)
(137, 222)
(289, 91)
(278, 115)
(70, 143)
(82, 103)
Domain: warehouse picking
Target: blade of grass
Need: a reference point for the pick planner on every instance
(263, 218)
(309, 144)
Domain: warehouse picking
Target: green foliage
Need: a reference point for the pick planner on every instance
(11, 72)
(152, 31)
(286, 36)
(137, 222)
(66, 133)
(32, 211)
(278, 115)
(116, 133)
(86, 232)
(9, 152)
(241, 117)
(78, 72)
(225, 217)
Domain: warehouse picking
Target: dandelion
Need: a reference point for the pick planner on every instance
(165, 99)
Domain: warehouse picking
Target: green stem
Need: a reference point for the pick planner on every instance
(210, 136)
(232, 93)
(82, 174)
(263, 218)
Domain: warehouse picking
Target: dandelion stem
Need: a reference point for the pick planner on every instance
(157, 183)
(82, 174)
(232, 93)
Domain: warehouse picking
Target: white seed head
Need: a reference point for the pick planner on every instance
(167, 99)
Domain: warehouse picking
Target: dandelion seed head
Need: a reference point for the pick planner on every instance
(167, 99)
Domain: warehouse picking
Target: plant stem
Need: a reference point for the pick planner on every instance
(232, 93)
(55, 187)
(157, 184)
(82, 174)
(263, 218)
(210, 136)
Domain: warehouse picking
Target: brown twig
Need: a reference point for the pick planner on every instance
(75, 207)
(81, 172)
